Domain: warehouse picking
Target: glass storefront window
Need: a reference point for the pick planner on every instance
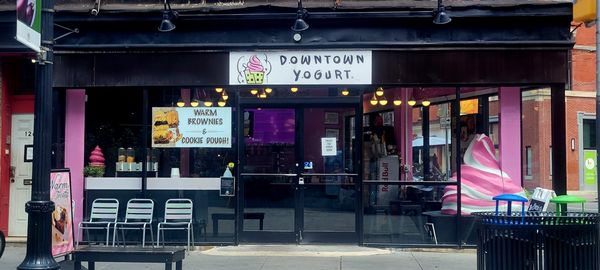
(119, 131)
(413, 217)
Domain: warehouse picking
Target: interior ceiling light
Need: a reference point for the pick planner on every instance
(412, 102)
(397, 102)
(440, 15)
(345, 92)
(374, 100)
(294, 89)
(383, 101)
(268, 90)
(180, 103)
(300, 25)
(208, 103)
(379, 91)
(219, 89)
(166, 25)
(221, 103)
(225, 96)
(194, 103)
(254, 92)
(426, 103)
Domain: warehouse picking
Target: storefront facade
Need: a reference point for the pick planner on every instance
(318, 153)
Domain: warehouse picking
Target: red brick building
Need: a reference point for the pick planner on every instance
(580, 110)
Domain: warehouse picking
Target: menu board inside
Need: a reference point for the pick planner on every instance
(203, 127)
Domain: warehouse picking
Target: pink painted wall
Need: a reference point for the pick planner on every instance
(74, 147)
(510, 132)
(403, 128)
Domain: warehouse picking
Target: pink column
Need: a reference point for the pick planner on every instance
(510, 132)
(74, 146)
(403, 124)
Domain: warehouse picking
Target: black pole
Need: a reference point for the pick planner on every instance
(456, 115)
(39, 244)
(425, 149)
(146, 121)
(559, 138)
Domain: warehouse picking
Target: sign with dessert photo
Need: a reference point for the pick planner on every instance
(204, 127)
(300, 68)
(62, 217)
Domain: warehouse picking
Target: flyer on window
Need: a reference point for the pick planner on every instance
(62, 217)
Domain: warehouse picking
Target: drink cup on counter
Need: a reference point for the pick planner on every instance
(174, 172)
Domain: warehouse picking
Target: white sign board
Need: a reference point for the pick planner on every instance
(300, 68)
(328, 147)
(203, 127)
(29, 23)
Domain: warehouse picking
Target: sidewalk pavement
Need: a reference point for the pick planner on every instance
(292, 257)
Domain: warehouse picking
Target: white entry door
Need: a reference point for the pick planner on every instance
(21, 171)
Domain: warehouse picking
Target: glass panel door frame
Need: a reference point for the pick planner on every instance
(299, 105)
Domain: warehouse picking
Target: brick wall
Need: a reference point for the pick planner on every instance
(584, 59)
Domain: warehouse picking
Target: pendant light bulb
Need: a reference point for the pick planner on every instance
(426, 103)
(383, 101)
(374, 100)
(219, 89)
(180, 103)
(397, 102)
(345, 92)
(222, 103)
(411, 102)
(268, 90)
(194, 103)
(225, 96)
(254, 92)
(294, 89)
(379, 91)
(208, 103)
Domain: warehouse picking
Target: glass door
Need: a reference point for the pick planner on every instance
(328, 178)
(299, 176)
(268, 176)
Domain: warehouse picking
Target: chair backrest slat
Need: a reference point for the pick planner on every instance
(139, 210)
(179, 210)
(104, 210)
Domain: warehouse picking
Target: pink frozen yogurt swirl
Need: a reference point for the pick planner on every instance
(254, 65)
(482, 179)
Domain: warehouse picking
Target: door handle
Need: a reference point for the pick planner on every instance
(12, 180)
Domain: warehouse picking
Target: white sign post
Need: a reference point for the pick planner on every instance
(300, 68)
(203, 127)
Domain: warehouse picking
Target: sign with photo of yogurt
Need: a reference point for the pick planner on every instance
(62, 217)
(203, 127)
(300, 68)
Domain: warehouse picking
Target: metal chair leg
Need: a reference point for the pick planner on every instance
(107, 233)
(114, 234)
(143, 235)
(158, 235)
(188, 238)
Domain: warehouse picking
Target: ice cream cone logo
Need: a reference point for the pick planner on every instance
(253, 70)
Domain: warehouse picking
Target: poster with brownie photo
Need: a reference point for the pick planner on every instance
(62, 217)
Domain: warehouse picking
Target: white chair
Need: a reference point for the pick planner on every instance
(178, 216)
(138, 216)
(103, 215)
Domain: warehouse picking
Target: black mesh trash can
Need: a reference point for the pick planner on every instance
(537, 240)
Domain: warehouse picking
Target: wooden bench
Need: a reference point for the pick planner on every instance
(166, 255)
(229, 216)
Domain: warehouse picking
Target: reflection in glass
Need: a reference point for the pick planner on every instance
(412, 216)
